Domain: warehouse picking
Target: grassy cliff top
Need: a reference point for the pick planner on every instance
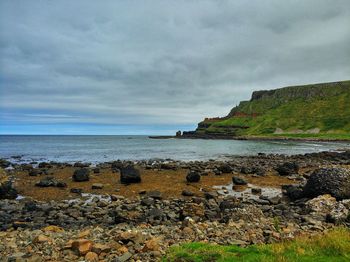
(315, 111)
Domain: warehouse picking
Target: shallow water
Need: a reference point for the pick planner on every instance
(107, 148)
(245, 192)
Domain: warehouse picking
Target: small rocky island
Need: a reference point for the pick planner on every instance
(136, 210)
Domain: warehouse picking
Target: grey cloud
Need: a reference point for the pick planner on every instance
(161, 62)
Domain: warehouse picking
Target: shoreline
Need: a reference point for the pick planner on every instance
(253, 138)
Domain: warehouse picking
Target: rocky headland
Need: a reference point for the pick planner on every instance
(308, 112)
(136, 210)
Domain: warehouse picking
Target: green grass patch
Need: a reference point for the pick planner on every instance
(331, 246)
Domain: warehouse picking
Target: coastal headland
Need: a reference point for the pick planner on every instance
(315, 112)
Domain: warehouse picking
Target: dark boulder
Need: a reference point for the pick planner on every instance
(129, 175)
(155, 195)
(4, 163)
(287, 169)
(7, 191)
(81, 165)
(238, 181)
(293, 192)
(333, 181)
(193, 176)
(81, 175)
(225, 168)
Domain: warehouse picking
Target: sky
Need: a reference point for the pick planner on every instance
(158, 66)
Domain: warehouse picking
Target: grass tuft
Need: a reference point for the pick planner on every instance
(333, 246)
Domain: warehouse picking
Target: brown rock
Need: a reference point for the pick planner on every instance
(100, 248)
(84, 234)
(151, 245)
(82, 246)
(91, 257)
(41, 239)
(54, 229)
(123, 249)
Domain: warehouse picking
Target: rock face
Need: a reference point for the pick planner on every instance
(288, 168)
(193, 176)
(7, 191)
(81, 175)
(129, 175)
(333, 181)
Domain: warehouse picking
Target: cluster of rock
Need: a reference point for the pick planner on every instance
(114, 228)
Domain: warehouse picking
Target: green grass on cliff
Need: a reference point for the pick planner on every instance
(332, 246)
(323, 106)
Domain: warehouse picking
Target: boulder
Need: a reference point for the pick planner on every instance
(287, 169)
(193, 176)
(4, 163)
(129, 175)
(238, 181)
(333, 181)
(293, 192)
(225, 168)
(326, 207)
(7, 191)
(81, 175)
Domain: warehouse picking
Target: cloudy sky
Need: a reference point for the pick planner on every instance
(153, 67)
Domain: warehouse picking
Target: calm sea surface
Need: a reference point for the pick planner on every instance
(106, 148)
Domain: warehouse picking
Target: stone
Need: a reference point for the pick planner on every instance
(82, 246)
(125, 257)
(129, 175)
(91, 257)
(238, 181)
(225, 168)
(193, 176)
(187, 193)
(151, 245)
(97, 186)
(76, 190)
(84, 233)
(41, 239)
(81, 175)
(4, 163)
(101, 248)
(287, 169)
(333, 181)
(294, 192)
(327, 207)
(155, 195)
(7, 191)
(96, 170)
(50, 181)
(54, 229)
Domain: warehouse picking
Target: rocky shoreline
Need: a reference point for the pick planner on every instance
(172, 202)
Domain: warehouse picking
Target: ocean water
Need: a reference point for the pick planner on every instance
(106, 148)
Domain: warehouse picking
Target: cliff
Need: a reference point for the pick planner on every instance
(308, 111)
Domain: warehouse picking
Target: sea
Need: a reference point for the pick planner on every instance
(102, 148)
